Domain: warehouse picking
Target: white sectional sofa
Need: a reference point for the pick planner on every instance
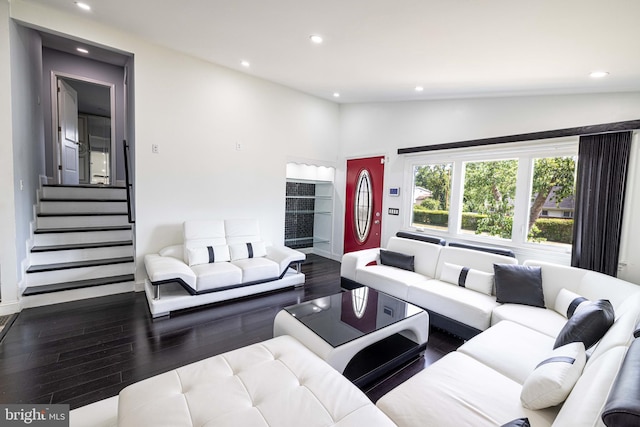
(481, 383)
(457, 309)
(217, 261)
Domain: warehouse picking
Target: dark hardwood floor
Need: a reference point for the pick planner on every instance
(84, 351)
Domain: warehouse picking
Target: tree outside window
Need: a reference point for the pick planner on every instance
(488, 197)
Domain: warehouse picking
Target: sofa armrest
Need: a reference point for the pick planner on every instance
(354, 260)
(166, 268)
(284, 256)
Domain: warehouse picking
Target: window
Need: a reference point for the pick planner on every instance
(552, 191)
(488, 197)
(519, 194)
(431, 196)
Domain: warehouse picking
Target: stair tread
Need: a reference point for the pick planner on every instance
(82, 229)
(81, 246)
(83, 214)
(66, 286)
(77, 264)
(84, 199)
(85, 186)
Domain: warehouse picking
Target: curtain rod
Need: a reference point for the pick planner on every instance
(548, 134)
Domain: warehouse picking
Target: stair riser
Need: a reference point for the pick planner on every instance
(84, 193)
(75, 274)
(82, 207)
(81, 221)
(48, 239)
(54, 257)
(76, 294)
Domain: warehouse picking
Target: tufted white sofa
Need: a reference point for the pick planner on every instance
(278, 382)
(460, 310)
(218, 260)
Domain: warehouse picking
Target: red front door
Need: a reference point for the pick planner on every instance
(363, 208)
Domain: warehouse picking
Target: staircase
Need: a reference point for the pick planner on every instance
(82, 239)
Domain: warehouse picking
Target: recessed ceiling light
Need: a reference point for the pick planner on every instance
(315, 38)
(82, 50)
(83, 6)
(419, 88)
(246, 64)
(336, 95)
(598, 74)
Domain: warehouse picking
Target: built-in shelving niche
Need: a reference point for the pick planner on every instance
(309, 208)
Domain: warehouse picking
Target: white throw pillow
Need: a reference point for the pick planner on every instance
(553, 379)
(475, 280)
(248, 250)
(567, 302)
(208, 255)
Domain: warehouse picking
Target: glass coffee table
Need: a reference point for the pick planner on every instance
(362, 333)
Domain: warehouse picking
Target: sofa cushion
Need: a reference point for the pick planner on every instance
(587, 325)
(567, 302)
(455, 391)
(202, 233)
(552, 380)
(246, 250)
(252, 386)
(457, 303)
(426, 254)
(397, 259)
(466, 277)
(478, 260)
(519, 284)
(540, 319)
(217, 275)
(256, 269)
(509, 348)
(208, 255)
(390, 280)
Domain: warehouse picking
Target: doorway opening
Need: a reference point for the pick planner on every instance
(83, 122)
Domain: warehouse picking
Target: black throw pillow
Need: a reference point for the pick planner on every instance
(623, 404)
(518, 284)
(396, 259)
(587, 325)
(520, 422)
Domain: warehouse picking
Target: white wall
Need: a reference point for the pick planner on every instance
(8, 260)
(196, 112)
(27, 125)
(382, 128)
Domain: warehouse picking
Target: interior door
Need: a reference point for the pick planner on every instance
(68, 133)
(363, 204)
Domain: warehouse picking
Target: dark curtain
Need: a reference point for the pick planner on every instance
(600, 188)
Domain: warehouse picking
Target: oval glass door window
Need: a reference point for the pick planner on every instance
(363, 209)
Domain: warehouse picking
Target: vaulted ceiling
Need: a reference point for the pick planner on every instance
(381, 50)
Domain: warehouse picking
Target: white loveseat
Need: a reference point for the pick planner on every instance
(218, 260)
